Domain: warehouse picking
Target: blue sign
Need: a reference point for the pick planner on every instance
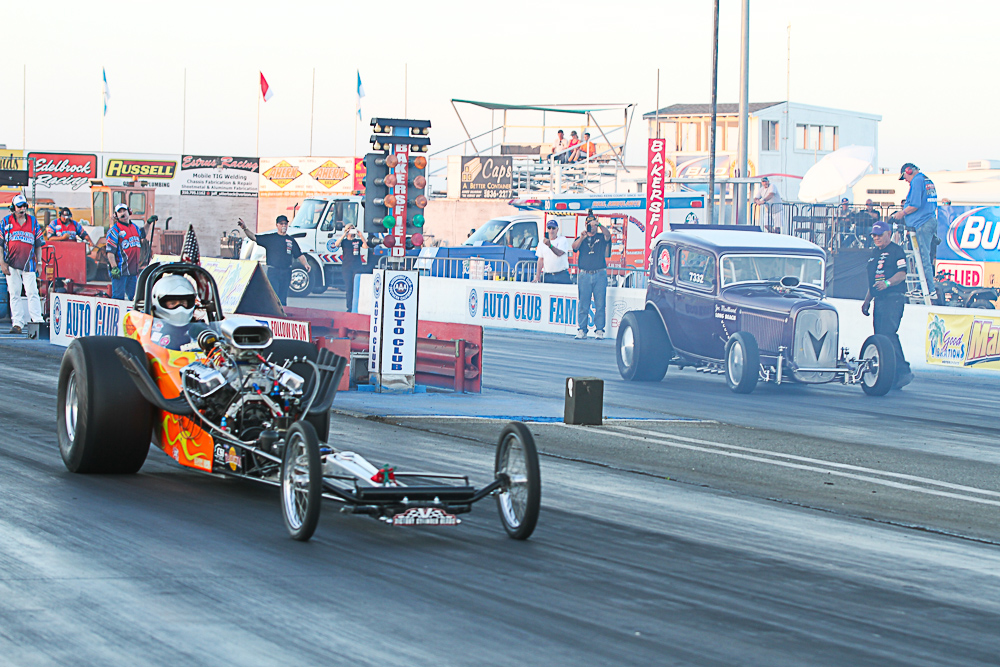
(57, 317)
(473, 302)
(400, 288)
(969, 233)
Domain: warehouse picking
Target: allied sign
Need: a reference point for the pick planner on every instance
(963, 340)
(969, 274)
(218, 176)
(62, 171)
(487, 177)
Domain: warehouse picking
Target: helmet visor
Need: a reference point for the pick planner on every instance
(171, 301)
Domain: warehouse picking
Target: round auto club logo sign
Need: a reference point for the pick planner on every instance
(664, 261)
(473, 302)
(57, 316)
(401, 287)
(377, 286)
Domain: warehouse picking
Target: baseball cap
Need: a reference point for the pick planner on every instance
(880, 227)
(845, 200)
(19, 200)
(902, 170)
(121, 207)
(552, 224)
(281, 219)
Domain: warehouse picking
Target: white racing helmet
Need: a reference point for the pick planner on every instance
(173, 287)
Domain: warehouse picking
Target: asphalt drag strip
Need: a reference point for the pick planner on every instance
(924, 491)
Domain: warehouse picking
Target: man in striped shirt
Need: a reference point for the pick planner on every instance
(22, 240)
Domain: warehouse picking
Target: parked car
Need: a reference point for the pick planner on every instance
(746, 304)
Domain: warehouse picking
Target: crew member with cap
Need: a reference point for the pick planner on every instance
(592, 277)
(887, 288)
(124, 248)
(920, 214)
(553, 256)
(281, 250)
(65, 228)
(22, 240)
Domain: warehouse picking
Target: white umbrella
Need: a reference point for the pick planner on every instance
(831, 176)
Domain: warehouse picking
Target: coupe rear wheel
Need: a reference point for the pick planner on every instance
(516, 464)
(880, 374)
(742, 362)
(104, 424)
(644, 350)
(301, 481)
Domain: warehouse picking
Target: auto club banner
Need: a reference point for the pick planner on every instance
(62, 172)
(393, 333)
(963, 340)
(306, 176)
(487, 177)
(218, 176)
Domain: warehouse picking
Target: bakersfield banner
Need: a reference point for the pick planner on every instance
(963, 340)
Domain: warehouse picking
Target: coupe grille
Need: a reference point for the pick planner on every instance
(765, 328)
(816, 340)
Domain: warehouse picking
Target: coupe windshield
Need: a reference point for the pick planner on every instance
(487, 232)
(763, 268)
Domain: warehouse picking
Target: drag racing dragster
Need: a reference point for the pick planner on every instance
(219, 395)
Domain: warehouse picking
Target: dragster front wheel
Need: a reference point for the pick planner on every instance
(520, 497)
(301, 481)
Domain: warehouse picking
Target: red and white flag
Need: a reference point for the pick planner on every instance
(265, 89)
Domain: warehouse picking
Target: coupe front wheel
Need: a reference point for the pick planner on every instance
(742, 362)
(520, 497)
(880, 373)
(301, 481)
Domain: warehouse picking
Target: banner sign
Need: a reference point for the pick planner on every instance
(963, 340)
(656, 174)
(306, 176)
(375, 331)
(62, 171)
(487, 177)
(969, 274)
(359, 175)
(213, 176)
(157, 170)
(969, 233)
(287, 329)
(74, 316)
(399, 323)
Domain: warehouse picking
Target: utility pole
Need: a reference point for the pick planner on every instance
(711, 130)
(740, 201)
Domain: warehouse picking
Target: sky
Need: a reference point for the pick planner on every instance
(928, 68)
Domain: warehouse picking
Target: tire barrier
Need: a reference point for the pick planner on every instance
(449, 356)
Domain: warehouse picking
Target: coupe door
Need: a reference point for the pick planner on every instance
(700, 331)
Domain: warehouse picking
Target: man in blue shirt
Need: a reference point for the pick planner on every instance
(920, 211)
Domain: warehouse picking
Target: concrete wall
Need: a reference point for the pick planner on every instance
(449, 220)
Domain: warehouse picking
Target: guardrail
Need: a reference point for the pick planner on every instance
(449, 356)
(467, 268)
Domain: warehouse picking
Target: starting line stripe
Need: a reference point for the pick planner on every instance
(548, 420)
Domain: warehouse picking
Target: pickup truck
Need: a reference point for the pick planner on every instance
(318, 227)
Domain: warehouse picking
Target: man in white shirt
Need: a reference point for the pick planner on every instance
(768, 195)
(560, 145)
(553, 256)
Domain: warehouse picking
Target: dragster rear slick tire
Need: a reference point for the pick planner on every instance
(301, 481)
(103, 423)
(520, 499)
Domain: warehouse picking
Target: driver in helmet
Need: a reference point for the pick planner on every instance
(173, 301)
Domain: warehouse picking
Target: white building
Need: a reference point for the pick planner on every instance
(785, 139)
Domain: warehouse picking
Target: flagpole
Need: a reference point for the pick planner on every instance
(312, 113)
(259, 94)
(24, 109)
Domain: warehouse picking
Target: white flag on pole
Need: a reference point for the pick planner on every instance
(107, 91)
(361, 93)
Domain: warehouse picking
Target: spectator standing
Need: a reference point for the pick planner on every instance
(123, 249)
(592, 279)
(22, 240)
(574, 142)
(887, 288)
(553, 256)
(65, 228)
(281, 249)
(558, 147)
(770, 198)
(920, 213)
(350, 261)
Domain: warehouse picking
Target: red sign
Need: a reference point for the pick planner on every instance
(359, 175)
(62, 170)
(969, 274)
(656, 173)
(402, 151)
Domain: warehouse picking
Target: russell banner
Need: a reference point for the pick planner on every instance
(963, 340)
